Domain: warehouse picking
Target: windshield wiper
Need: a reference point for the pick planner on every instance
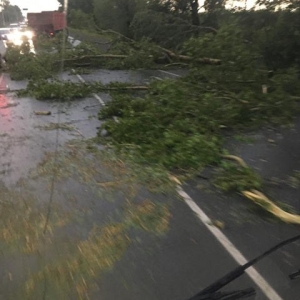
(211, 292)
(243, 294)
(295, 275)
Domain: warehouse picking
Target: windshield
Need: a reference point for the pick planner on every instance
(149, 150)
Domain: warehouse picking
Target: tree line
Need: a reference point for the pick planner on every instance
(9, 13)
(273, 26)
(119, 14)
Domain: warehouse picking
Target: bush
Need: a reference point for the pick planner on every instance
(161, 28)
(81, 20)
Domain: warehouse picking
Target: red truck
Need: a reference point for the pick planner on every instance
(49, 22)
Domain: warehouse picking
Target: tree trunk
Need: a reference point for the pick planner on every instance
(194, 11)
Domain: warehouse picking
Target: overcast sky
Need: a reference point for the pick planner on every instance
(36, 5)
(40, 5)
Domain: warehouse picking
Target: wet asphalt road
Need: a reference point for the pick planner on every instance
(274, 154)
(186, 259)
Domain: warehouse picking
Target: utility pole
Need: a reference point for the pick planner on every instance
(2, 12)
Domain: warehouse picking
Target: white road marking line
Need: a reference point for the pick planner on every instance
(265, 287)
(169, 73)
(78, 76)
(99, 99)
(95, 95)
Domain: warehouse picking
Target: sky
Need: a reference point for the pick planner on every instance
(36, 5)
(40, 5)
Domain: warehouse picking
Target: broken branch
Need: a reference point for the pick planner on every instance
(204, 60)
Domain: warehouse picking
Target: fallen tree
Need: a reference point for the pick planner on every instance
(177, 57)
(258, 197)
(204, 60)
(124, 53)
(66, 91)
(171, 54)
(180, 123)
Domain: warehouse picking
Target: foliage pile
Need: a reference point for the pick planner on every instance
(180, 123)
(23, 63)
(232, 177)
(44, 89)
(162, 127)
